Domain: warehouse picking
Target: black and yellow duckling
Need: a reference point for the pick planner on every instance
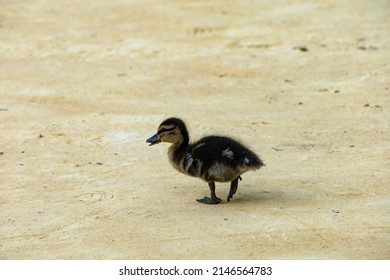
(212, 158)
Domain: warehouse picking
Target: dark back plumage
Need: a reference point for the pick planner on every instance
(225, 150)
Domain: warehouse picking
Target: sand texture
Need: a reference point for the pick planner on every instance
(83, 84)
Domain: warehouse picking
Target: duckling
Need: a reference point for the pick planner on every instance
(212, 158)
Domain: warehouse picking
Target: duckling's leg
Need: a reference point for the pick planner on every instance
(233, 188)
(210, 200)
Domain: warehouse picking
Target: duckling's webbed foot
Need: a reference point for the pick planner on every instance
(213, 199)
(233, 188)
(209, 200)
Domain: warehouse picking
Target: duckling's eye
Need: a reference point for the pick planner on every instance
(168, 130)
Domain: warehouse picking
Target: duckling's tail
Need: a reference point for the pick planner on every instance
(252, 162)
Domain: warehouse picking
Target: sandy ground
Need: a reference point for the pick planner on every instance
(306, 84)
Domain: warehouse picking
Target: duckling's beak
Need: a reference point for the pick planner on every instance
(153, 140)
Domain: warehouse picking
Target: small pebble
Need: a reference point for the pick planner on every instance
(302, 48)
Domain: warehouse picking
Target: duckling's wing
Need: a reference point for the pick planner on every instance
(205, 152)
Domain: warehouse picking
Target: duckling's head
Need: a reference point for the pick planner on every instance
(172, 130)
